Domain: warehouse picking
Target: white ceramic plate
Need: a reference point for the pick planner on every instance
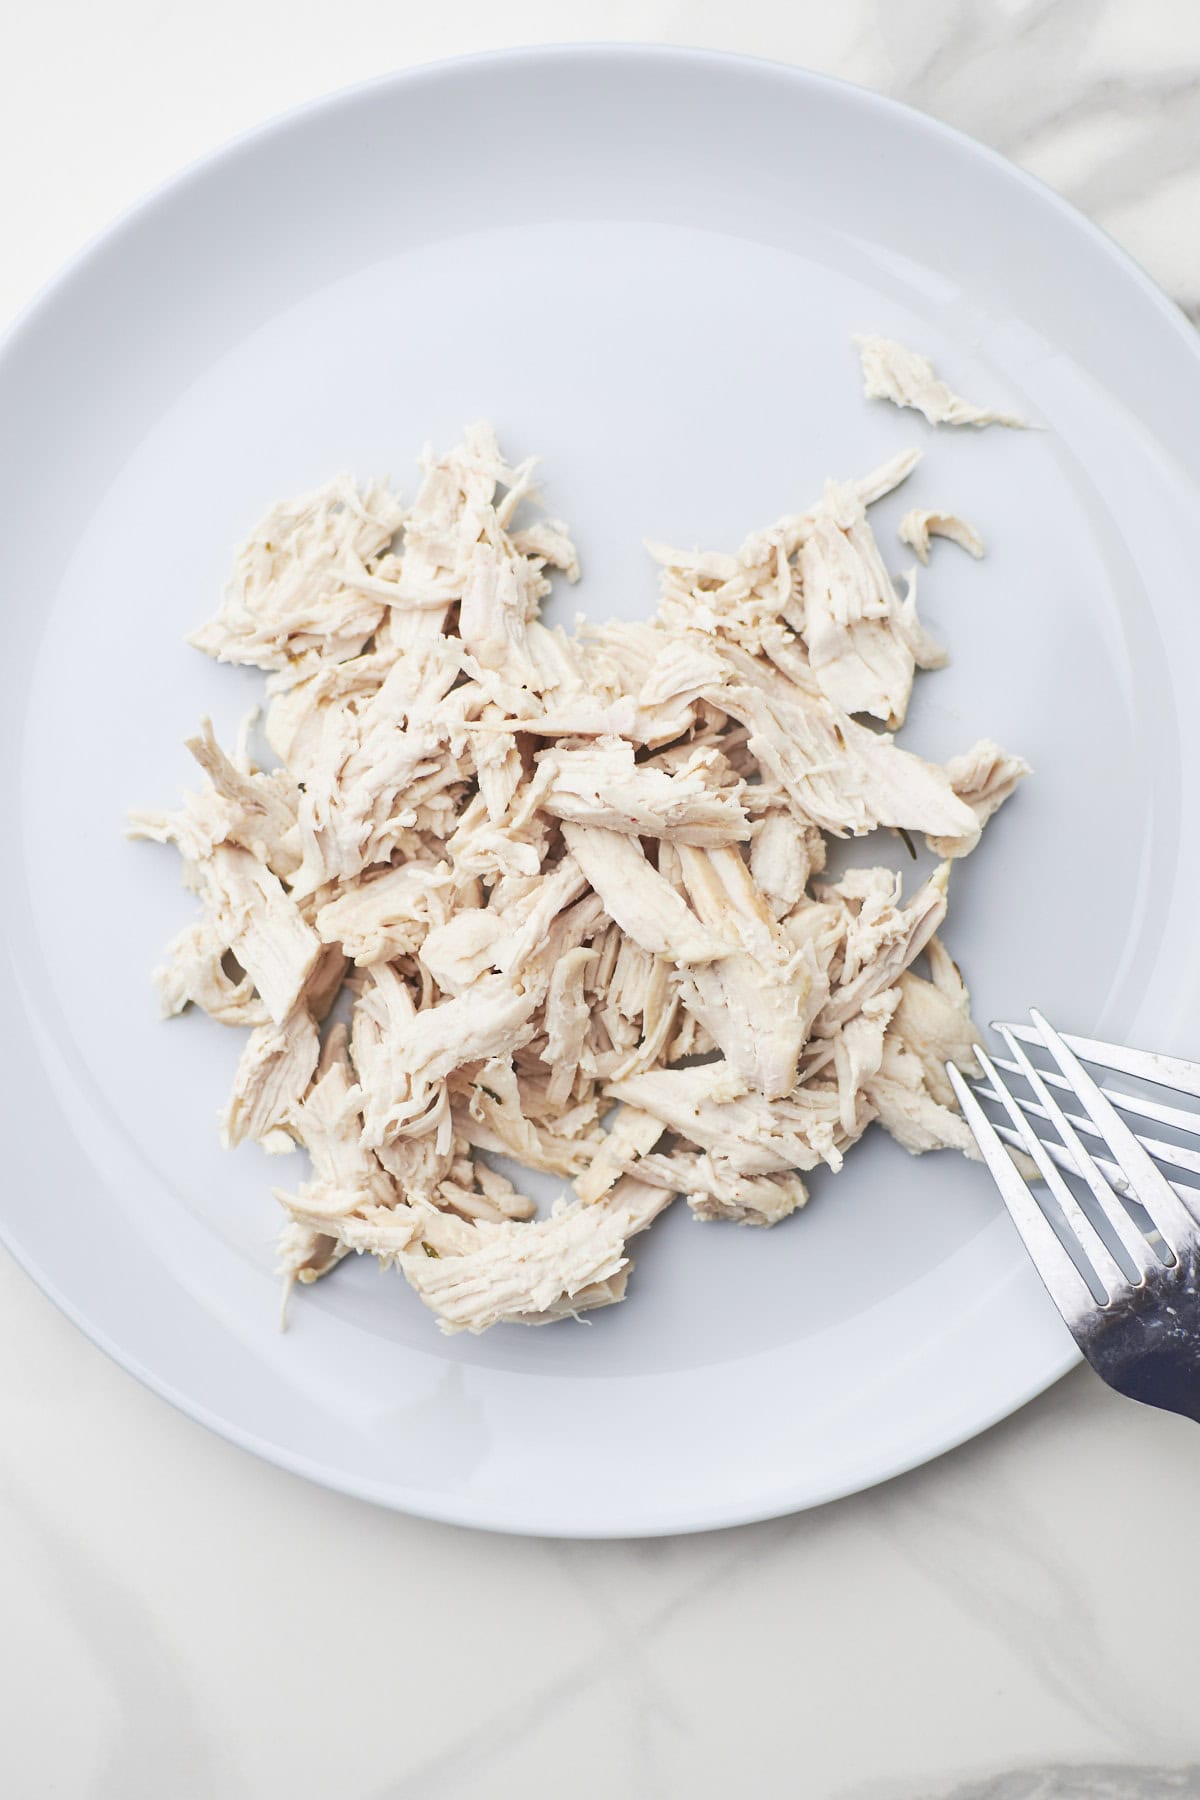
(645, 265)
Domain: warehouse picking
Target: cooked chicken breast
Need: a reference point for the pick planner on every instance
(917, 527)
(893, 372)
(569, 888)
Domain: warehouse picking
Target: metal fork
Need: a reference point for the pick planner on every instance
(1129, 1291)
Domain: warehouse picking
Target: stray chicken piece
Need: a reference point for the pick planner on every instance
(862, 644)
(555, 878)
(893, 372)
(917, 527)
(984, 778)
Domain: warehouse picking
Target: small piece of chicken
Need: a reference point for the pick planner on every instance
(893, 372)
(489, 1019)
(759, 1002)
(311, 583)
(492, 1117)
(603, 785)
(862, 644)
(388, 914)
(498, 600)
(917, 527)
(566, 1019)
(369, 761)
(276, 1067)
(745, 1132)
(634, 894)
(328, 1123)
(907, 1110)
(255, 917)
(894, 937)
(715, 1193)
(519, 1273)
(984, 778)
(631, 1135)
(263, 808)
(933, 1020)
(193, 973)
(786, 853)
(840, 776)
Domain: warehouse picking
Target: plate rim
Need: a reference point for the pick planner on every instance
(464, 1509)
(459, 1512)
(196, 167)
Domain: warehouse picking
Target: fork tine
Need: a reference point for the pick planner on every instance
(1105, 1195)
(1146, 1065)
(1159, 1149)
(1062, 1280)
(1113, 1279)
(1150, 1186)
(1061, 1157)
(1138, 1104)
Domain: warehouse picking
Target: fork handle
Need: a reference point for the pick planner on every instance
(1166, 1376)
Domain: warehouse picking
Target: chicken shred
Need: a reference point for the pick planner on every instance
(549, 878)
(893, 372)
(984, 779)
(917, 527)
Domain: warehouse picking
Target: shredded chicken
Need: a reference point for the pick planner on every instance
(917, 527)
(893, 372)
(984, 779)
(569, 889)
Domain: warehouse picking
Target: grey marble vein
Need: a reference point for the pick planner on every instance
(647, 1709)
(1055, 1781)
(157, 1720)
(1008, 1573)
(1026, 80)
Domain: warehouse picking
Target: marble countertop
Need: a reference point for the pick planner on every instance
(182, 1621)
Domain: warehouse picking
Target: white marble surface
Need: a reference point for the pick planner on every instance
(180, 1621)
